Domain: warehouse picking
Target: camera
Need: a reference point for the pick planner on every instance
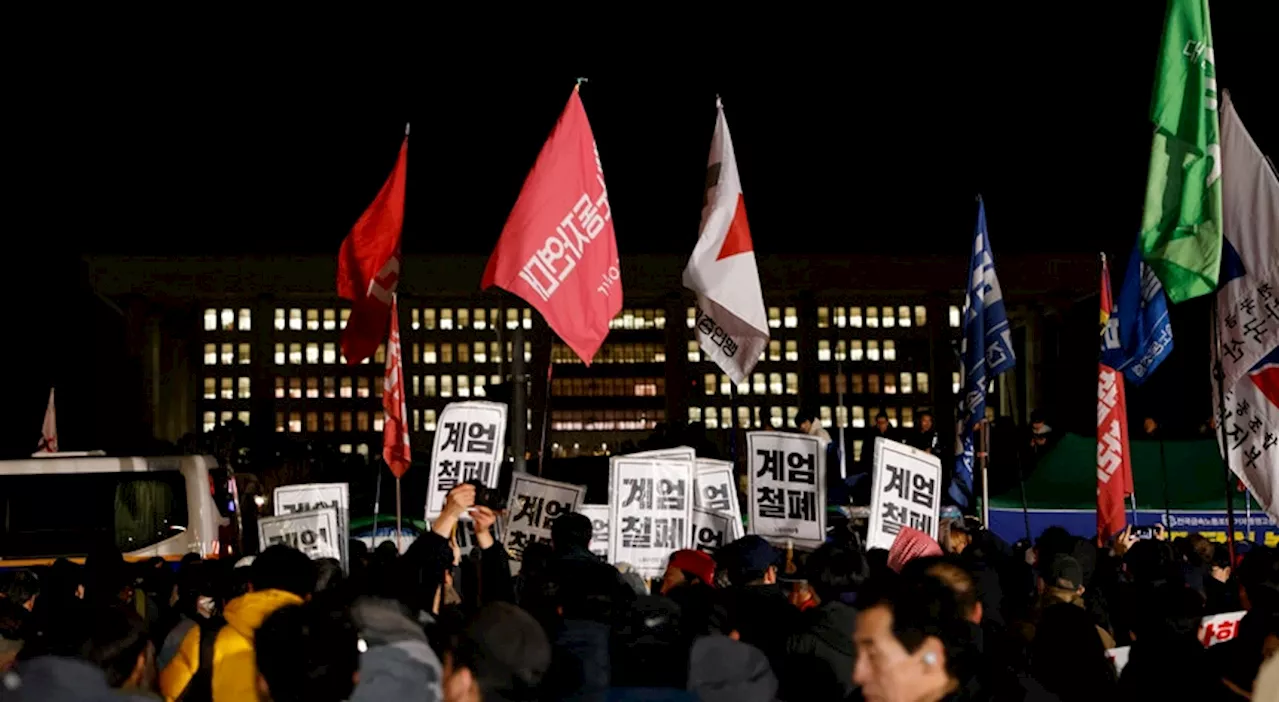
(485, 496)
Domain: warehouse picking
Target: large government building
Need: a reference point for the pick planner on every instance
(258, 340)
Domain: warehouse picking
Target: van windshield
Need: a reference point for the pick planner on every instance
(63, 515)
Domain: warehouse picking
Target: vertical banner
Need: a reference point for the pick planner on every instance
(314, 533)
(297, 499)
(470, 440)
(535, 503)
(713, 529)
(716, 490)
(788, 493)
(650, 511)
(904, 492)
(599, 516)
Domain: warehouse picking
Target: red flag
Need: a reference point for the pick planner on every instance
(395, 428)
(49, 430)
(557, 250)
(1115, 474)
(369, 265)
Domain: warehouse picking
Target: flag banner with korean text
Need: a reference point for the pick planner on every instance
(650, 511)
(599, 516)
(535, 503)
(713, 529)
(298, 499)
(787, 491)
(716, 489)
(1182, 213)
(395, 428)
(1115, 465)
(469, 445)
(315, 533)
(1246, 340)
(731, 325)
(905, 492)
(369, 265)
(557, 251)
(986, 351)
(1138, 336)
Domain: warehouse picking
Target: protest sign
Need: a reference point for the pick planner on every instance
(1214, 629)
(297, 499)
(315, 533)
(904, 492)
(676, 453)
(716, 489)
(469, 443)
(535, 503)
(599, 516)
(712, 529)
(788, 493)
(650, 511)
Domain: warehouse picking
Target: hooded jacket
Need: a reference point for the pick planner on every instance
(235, 674)
(398, 663)
(724, 670)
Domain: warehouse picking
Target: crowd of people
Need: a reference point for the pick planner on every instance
(972, 618)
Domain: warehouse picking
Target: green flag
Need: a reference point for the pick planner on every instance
(1182, 216)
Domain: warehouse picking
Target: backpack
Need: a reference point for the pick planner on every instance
(200, 687)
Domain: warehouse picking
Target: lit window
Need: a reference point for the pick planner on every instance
(415, 318)
(513, 318)
(775, 417)
(527, 320)
(775, 383)
(790, 318)
(842, 383)
(922, 383)
(824, 317)
(726, 417)
(228, 355)
(210, 388)
(842, 416)
(446, 319)
(210, 421)
(225, 389)
(824, 416)
(464, 386)
(873, 383)
(330, 422)
(793, 384)
(647, 389)
(953, 316)
(378, 421)
(692, 319)
(710, 419)
(955, 382)
(477, 386)
(886, 317)
(343, 316)
(464, 318)
(840, 350)
(709, 384)
(873, 317)
(242, 388)
(346, 421)
(855, 350)
(313, 320)
(857, 449)
(428, 386)
(446, 353)
(695, 414)
(725, 385)
(279, 355)
(824, 350)
(330, 390)
(362, 421)
(428, 319)
(362, 450)
(295, 388)
(921, 316)
(659, 319)
(295, 353)
(362, 387)
(775, 350)
(908, 417)
(758, 383)
(528, 352)
(478, 352)
(744, 388)
(428, 353)
(280, 313)
(211, 354)
(859, 416)
(892, 412)
(855, 384)
(840, 318)
(873, 350)
(464, 353)
(210, 320)
(775, 318)
(744, 416)
(380, 355)
(295, 319)
(791, 415)
(344, 448)
(313, 352)
(279, 387)
(890, 384)
(344, 387)
(331, 319)
(330, 354)
(242, 353)
(890, 350)
(904, 315)
(228, 320)
(477, 319)
(855, 317)
(793, 352)
(446, 386)
(429, 420)
(313, 388)
(904, 383)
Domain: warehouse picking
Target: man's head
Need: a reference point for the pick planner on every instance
(882, 422)
(571, 532)
(805, 419)
(307, 653)
(283, 568)
(502, 655)
(12, 621)
(1037, 422)
(836, 572)
(688, 567)
(1149, 426)
(1063, 577)
(749, 561)
(21, 587)
(926, 421)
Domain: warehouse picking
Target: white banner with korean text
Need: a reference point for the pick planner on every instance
(905, 491)
(469, 445)
(599, 516)
(315, 533)
(713, 529)
(298, 499)
(535, 503)
(716, 490)
(787, 491)
(650, 511)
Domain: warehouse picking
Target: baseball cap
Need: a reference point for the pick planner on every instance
(1064, 573)
(747, 559)
(696, 562)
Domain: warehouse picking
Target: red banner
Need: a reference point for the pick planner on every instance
(1115, 476)
(557, 251)
(395, 427)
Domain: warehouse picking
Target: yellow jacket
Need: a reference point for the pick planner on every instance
(235, 675)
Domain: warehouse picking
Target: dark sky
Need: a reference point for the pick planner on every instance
(857, 132)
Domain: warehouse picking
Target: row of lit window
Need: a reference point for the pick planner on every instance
(226, 388)
(608, 387)
(750, 417)
(905, 383)
(755, 384)
(451, 386)
(313, 353)
(295, 422)
(606, 420)
(328, 387)
(884, 317)
(226, 354)
(228, 319)
(211, 420)
(474, 352)
(857, 350)
(613, 353)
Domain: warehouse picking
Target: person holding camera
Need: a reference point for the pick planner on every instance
(486, 575)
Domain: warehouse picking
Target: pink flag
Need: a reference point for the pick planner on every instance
(909, 545)
(395, 428)
(49, 431)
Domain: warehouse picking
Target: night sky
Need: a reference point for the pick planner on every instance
(867, 131)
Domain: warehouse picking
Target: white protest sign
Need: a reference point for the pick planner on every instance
(713, 529)
(676, 453)
(469, 443)
(314, 533)
(599, 516)
(650, 511)
(297, 499)
(716, 489)
(905, 491)
(788, 493)
(1214, 629)
(533, 505)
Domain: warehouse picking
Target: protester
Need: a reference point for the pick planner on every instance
(306, 653)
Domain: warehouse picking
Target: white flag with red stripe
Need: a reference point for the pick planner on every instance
(49, 431)
(731, 324)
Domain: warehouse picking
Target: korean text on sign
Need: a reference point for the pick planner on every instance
(469, 442)
(533, 505)
(599, 516)
(716, 489)
(313, 533)
(905, 491)
(788, 493)
(650, 511)
(562, 250)
(297, 499)
(712, 529)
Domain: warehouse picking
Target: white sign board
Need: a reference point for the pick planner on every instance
(677, 453)
(650, 511)
(1214, 629)
(599, 516)
(298, 499)
(314, 533)
(713, 529)
(905, 492)
(788, 492)
(469, 443)
(716, 489)
(533, 505)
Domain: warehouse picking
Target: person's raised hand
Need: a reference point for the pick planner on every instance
(460, 499)
(1125, 541)
(484, 520)
(1160, 533)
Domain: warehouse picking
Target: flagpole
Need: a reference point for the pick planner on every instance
(1220, 376)
(1164, 479)
(844, 470)
(733, 424)
(377, 500)
(546, 419)
(984, 434)
(398, 544)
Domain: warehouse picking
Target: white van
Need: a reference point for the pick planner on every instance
(61, 505)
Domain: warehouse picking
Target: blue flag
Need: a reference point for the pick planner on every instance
(1138, 336)
(986, 350)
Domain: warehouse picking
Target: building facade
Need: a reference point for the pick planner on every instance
(258, 340)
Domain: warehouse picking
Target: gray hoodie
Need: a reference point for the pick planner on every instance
(397, 664)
